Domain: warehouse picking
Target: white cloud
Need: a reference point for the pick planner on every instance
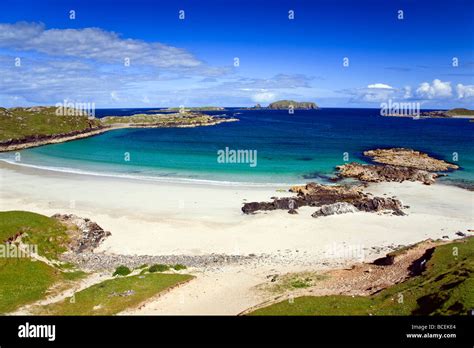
(114, 96)
(380, 85)
(437, 89)
(93, 43)
(464, 91)
(274, 82)
(88, 65)
(264, 97)
(407, 92)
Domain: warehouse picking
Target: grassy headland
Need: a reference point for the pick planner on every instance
(22, 128)
(30, 278)
(21, 123)
(444, 288)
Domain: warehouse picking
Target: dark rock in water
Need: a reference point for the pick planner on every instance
(305, 159)
(402, 157)
(317, 175)
(380, 173)
(460, 234)
(397, 164)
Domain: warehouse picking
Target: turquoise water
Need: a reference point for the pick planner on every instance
(290, 148)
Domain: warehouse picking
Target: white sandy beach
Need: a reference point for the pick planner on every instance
(152, 218)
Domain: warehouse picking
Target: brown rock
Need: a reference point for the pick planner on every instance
(379, 173)
(409, 158)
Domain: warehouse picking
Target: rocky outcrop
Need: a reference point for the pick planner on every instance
(380, 204)
(330, 199)
(409, 158)
(335, 209)
(85, 235)
(396, 164)
(380, 173)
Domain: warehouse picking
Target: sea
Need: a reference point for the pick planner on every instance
(265, 147)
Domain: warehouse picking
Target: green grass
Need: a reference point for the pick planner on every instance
(23, 281)
(109, 297)
(293, 281)
(24, 123)
(18, 123)
(460, 112)
(178, 267)
(47, 233)
(74, 275)
(444, 288)
(161, 119)
(122, 271)
(158, 268)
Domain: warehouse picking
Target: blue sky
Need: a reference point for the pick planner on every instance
(46, 57)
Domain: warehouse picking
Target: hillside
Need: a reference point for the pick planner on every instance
(460, 112)
(443, 288)
(20, 123)
(36, 274)
(21, 128)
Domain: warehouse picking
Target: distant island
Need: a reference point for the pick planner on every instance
(22, 128)
(286, 105)
(457, 112)
(193, 108)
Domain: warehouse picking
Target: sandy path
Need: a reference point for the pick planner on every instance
(76, 287)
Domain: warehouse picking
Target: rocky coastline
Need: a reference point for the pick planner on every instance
(329, 200)
(40, 140)
(396, 165)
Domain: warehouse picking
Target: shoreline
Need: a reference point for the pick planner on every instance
(201, 223)
(173, 211)
(21, 144)
(167, 180)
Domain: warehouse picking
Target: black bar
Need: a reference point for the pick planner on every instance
(172, 330)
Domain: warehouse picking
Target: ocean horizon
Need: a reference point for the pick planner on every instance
(289, 148)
